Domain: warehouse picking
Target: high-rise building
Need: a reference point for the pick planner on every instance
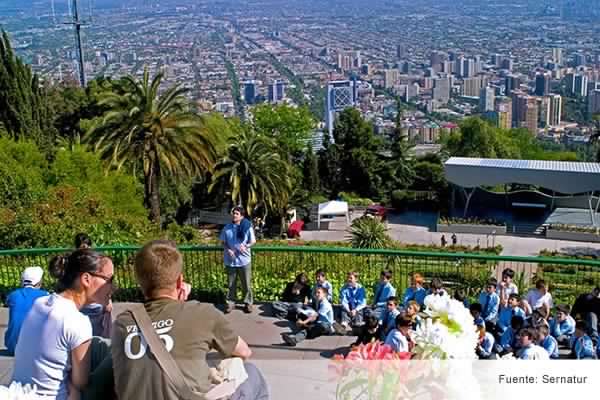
(441, 90)
(390, 77)
(486, 99)
(543, 104)
(555, 109)
(496, 60)
(542, 84)
(557, 57)
(531, 116)
(507, 63)
(447, 67)
(249, 92)
(340, 95)
(472, 86)
(276, 91)
(525, 111)
(436, 59)
(594, 102)
(513, 82)
(459, 66)
(401, 51)
(469, 68)
(405, 67)
(503, 108)
(580, 85)
(579, 59)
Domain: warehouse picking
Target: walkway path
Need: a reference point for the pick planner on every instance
(512, 245)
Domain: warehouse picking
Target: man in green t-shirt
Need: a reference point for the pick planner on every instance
(189, 331)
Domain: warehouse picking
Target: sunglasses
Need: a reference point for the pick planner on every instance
(107, 279)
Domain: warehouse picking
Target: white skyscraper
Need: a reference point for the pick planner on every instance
(487, 97)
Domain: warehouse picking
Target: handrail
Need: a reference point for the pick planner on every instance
(336, 250)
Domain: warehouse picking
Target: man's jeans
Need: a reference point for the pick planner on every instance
(253, 388)
(245, 275)
(313, 331)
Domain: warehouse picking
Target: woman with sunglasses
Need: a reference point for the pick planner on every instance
(56, 350)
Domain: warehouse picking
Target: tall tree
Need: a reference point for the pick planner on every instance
(24, 108)
(156, 132)
(290, 127)
(254, 172)
(310, 172)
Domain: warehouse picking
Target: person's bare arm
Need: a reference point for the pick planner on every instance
(80, 365)
(241, 349)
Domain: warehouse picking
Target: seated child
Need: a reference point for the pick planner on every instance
(321, 281)
(19, 302)
(317, 324)
(398, 338)
(539, 297)
(508, 341)
(529, 350)
(582, 347)
(548, 342)
(412, 312)
(295, 295)
(415, 291)
(489, 301)
(485, 345)
(437, 287)
(459, 295)
(475, 310)
(562, 327)
(538, 318)
(506, 286)
(383, 291)
(507, 311)
(387, 320)
(371, 331)
(354, 300)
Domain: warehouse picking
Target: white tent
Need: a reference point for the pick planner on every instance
(333, 208)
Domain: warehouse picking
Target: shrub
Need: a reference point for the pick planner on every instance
(369, 233)
(399, 199)
(354, 200)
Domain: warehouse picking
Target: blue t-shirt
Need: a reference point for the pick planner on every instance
(325, 312)
(19, 303)
(232, 239)
(417, 294)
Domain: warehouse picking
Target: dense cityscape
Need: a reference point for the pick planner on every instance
(534, 65)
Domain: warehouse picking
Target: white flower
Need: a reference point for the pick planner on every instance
(16, 391)
(448, 333)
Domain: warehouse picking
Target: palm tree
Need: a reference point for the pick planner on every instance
(155, 131)
(255, 173)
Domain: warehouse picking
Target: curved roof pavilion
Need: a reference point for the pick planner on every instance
(559, 176)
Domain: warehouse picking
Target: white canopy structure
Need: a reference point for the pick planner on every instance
(333, 208)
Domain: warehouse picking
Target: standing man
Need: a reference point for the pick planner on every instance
(237, 238)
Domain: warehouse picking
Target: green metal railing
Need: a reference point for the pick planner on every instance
(276, 265)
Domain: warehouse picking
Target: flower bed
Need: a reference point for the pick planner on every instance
(471, 225)
(575, 233)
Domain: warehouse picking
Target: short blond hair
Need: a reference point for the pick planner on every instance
(157, 266)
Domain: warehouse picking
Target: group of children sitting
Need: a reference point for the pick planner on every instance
(388, 318)
(524, 326)
(507, 323)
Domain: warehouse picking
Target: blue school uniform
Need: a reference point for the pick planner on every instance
(487, 345)
(383, 291)
(388, 319)
(353, 298)
(489, 305)
(506, 314)
(551, 346)
(325, 313)
(507, 340)
(564, 328)
(19, 303)
(397, 341)
(584, 347)
(325, 285)
(416, 294)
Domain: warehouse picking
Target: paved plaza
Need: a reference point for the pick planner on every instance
(303, 366)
